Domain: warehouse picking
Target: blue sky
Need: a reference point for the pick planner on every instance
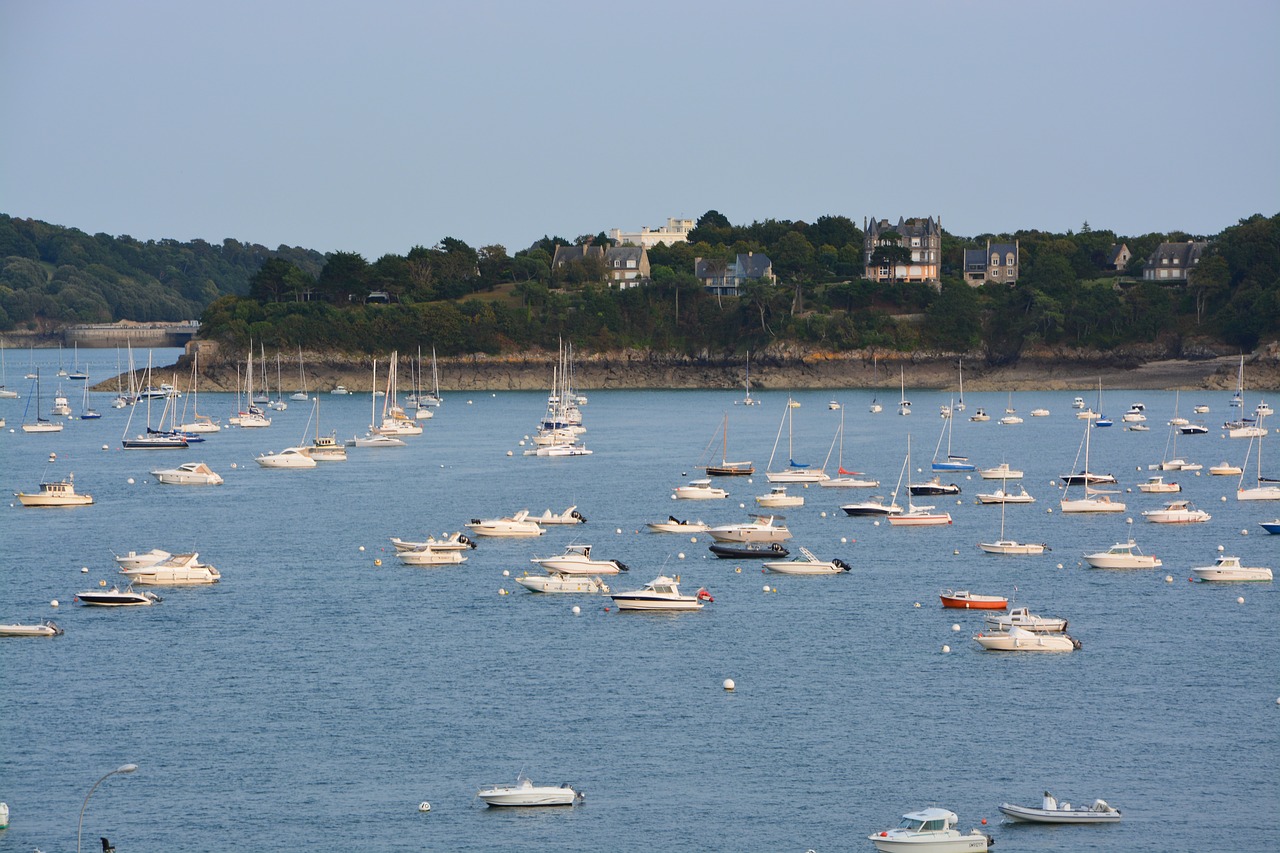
(378, 126)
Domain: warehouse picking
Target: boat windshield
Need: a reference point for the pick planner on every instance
(911, 824)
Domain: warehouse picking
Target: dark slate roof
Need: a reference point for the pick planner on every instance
(975, 258)
(906, 227)
(568, 254)
(754, 265)
(1184, 254)
(1113, 257)
(623, 253)
(1003, 249)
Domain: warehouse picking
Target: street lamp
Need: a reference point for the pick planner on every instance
(124, 768)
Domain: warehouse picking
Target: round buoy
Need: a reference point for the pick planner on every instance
(1240, 600)
(424, 806)
(104, 447)
(729, 685)
(958, 502)
(984, 821)
(955, 627)
(1168, 578)
(766, 586)
(84, 570)
(1049, 510)
(742, 506)
(680, 556)
(1059, 565)
(875, 523)
(844, 540)
(522, 442)
(130, 481)
(1224, 498)
(693, 539)
(102, 583)
(917, 604)
(737, 570)
(1221, 549)
(1128, 521)
(576, 610)
(750, 480)
(501, 591)
(506, 573)
(378, 561)
(956, 552)
(946, 650)
(1244, 532)
(53, 603)
(509, 453)
(52, 456)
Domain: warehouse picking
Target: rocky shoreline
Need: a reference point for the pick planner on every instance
(780, 369)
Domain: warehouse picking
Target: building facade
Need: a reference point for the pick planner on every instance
(1173, 262)
(920, 240)
(675, 231)
(625, 266)
(724, 278)
(1000, 262)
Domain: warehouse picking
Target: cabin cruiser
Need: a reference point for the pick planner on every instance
(1000, 472)
(778, 496)
(456, 542)
(115, 597)
(1176, 512)
(47, 628)
(517, 525)
(563, 583)
(699, 490)
(763, 529)
(980, 416)
(1225, 469)
(429, 555)
(569, 516)
(1052, 811)
(929, 831)
(675, 525)
(1122, 555)
(807, 564)
(1229, 569)
(934, 487)
(1015, 639)
(1077, 403)
(62, 493)
(325, 448)
(525, 793)
(661, 593)
(1039, 413)
(188, 474)
(876, 507)
(1022, 618)
(1157, 486)
(176, 570)
(373, 439)
(134, 560)
(290, 457)
(577, 560)
(1004, 496)
(1193, 429)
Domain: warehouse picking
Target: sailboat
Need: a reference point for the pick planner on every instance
(1010, 546)
(795, 472)
(153, 439)
(952, 462)
(904, 405)
(394, 419)
(200, 423)
(433, 399)
(1094, 500)
(915, 516)
(749, 400)
(39, 424)
(1237, 399)
(252, 416)
(62, 371)
(76, 373)
(959, 406)
(727, 468)
(86, 412)
(1267, 489)
(1011, 417)
(1101, 420)
(5, 393)
(301, 395)
(844, 479)
(278, 403)
(373, 438)
(875, 407)
(325, 448)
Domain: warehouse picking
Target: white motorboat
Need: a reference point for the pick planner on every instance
(525, 793)
(563, 583)
(979, 416)
(1176, 512)
(569, 516)
(1229, 569)
(1023, 618)
(339, 389)
(699, 490)
(429, 555)
(376, 440)
(290, 457)
(1157, 486)
(188, 474)
(325, 448)
(661, 593)
(929, 831)
(47, 628)
(177, 570)
(806, 564)
(1039, 413)
(116, 597)
(778, 496)
(763, 529)
(1077, 403)
(875, 507)
(1201, 409)
(134, 560)
(1000, 472)
(1193, 429)
(1123, 555)
(457, 542)
(1004, 496)
(1015, 639)
(577, 560)
(516, 526)
(1053, 811)
(1225, 469)
(675, 525)
(1010, 420)
(61, 493)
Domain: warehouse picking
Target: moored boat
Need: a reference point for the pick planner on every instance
(1015, 639)
(1052, 811)
(747, 551)
(963, 599)
(116, 597)
(188, 474)
(290, 457)
(1229, 569)
(61, 493)
(1023, 618)
(515, 526)
(1123, 555)
(929, 831)
(577, 560)
(676, 525)
(699, 490)
(807, 564)
(569, 516)
(563, 583)
(1176, 512)
(661, 593)
(176, 570)
(763, 529)
(525, 793)
(47, 628)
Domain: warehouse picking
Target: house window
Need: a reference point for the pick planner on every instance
(915, 242)
(1164, 261)
(1175, 262)
(631, 264)
(1164, 273)
(1009, 259)
(995, 260)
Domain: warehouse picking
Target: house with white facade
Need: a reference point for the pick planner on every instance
(675, 231)
(920, 238)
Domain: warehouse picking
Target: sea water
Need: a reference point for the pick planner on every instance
(314, 698)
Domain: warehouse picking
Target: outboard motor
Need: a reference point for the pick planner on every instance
(622, 567)
(579, 516)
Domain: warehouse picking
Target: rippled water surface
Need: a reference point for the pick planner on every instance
(313, 699)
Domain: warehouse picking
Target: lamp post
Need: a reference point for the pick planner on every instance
(124, 768)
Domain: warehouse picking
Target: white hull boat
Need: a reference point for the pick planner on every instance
(699, 490)
(116, 597)
(46, 628)
(577, 560)
(1013, 548)
(1023, 618)
(1176, 512)
(188, 474)
(569, 516)
(134, 560)
(290, 457)
(929, 831)
(62, 493)
(1123, 555)
(1000, 472)
(661, 593)
(1226, 469)
(563, 583)
(456, 542)
(516, 526)
(1016, 639)
(1229, 569)
(1157, 486)
(178, 570)
(778, 497)
(525, 793)
(806, 564)
(675, 525)
(426, 555)
(763, 529)
(1003, 496)
(1054, 812)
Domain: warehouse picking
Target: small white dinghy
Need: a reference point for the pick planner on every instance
(525, 793)
(1054, 812)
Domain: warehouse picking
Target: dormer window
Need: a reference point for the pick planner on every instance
(995, 259)
(1009, 259)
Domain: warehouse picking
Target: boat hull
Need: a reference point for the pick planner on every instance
(528, 797)
(1027, 642)
(955, 844)
(562, 583)
(630, 601)
(1031, 815)
(1012, 548)
(1240, 575)
(742, 552)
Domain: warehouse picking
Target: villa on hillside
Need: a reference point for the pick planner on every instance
(1173, 262)
(998, 263)
(724, 278)
(624, 266)
(920, 241)
(675, 231)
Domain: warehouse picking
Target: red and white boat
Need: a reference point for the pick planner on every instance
(965, 600)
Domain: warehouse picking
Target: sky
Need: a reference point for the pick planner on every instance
(379, 126)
